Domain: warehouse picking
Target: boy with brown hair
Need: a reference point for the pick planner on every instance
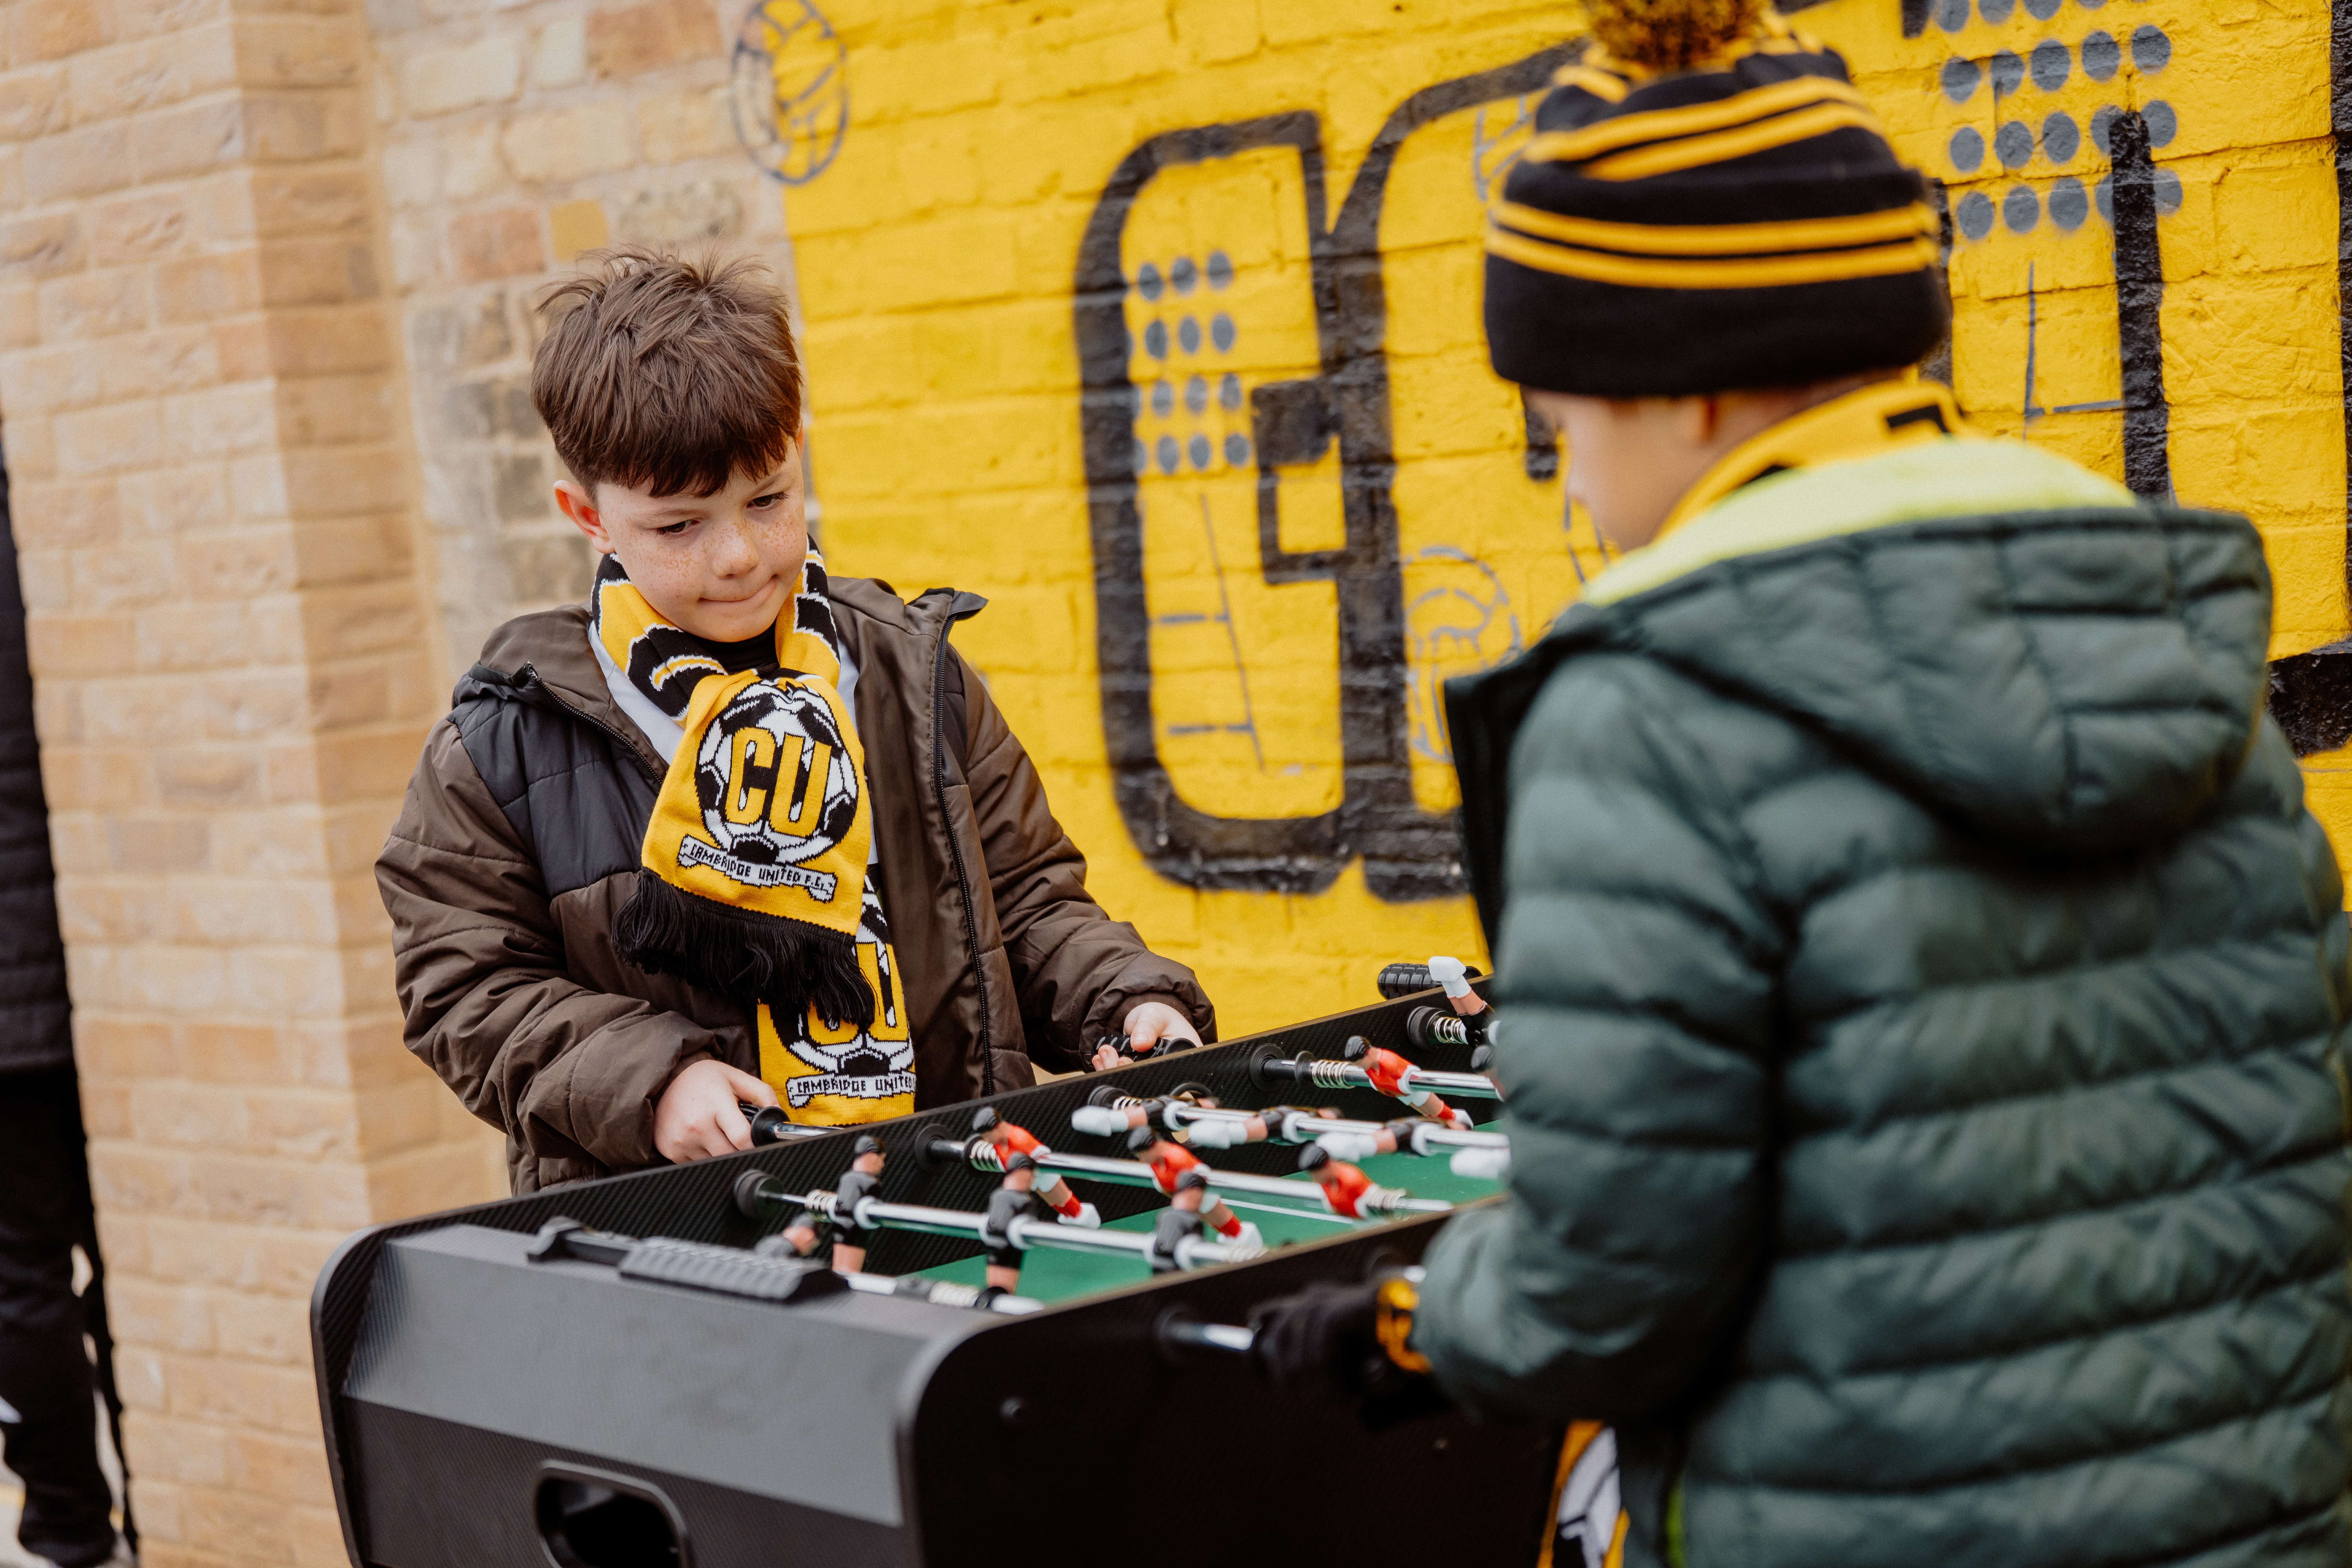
(732, 830)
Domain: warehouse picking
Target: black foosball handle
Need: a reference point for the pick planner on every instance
(1404, 979)
(770, 1125)
(1177, 1331)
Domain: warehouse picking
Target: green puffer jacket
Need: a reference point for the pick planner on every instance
(1923, 992)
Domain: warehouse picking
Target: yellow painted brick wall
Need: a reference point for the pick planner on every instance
(938, 250)
(936, 256)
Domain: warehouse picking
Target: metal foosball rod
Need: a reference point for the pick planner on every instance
(762, 1196)
(1369, 1072)
(770, 1125)
(1178, 1329)
(1230, 1127)
(1296, 1196)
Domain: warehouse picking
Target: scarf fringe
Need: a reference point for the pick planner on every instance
(744, 956)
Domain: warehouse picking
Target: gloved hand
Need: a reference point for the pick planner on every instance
(1323, 1342)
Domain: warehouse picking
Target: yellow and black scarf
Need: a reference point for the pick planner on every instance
(755, 881)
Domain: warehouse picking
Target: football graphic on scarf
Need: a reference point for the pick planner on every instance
(777, 784)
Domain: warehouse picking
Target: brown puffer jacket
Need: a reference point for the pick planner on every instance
(519, 842)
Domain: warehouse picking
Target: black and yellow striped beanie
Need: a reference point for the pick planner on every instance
(1707, 204)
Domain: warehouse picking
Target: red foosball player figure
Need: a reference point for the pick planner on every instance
(1348, 1190)
(850, 1239)
(1014, 1198)
(1008, 1138)
(1387, 1071)
(1168, 1162)
(1179, 1219)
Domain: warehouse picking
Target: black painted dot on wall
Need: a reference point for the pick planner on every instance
(1155, 340)
(1237, 450)
(2101, 56)
(2059, 138)
(2051, 65)
(1189, 335)
(1163, 399)
(2068, 204)
(1995, 11)
(1974, 215)
(1196, 395)
(1198, 450)
(2163, 125)
(2151, 51)
(2167, 192)
(2013, 145)
(1148, 280)
(1183, 274)
(1961, 78)
(2102, 196)
(1220, 269)
(1968, 149)
(1142, 457)
(2090, 4)
(1220, 333)
(2042, 10)
(1169, 458)
(1229, 392)
(2020, 209)
(1952, 15)
(2007, 71)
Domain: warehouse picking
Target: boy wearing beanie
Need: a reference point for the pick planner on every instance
(732, 831)
(1922, 989)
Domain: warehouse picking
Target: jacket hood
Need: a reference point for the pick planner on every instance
(2073, 677)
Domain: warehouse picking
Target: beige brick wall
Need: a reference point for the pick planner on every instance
(514, 139)
(213, 497)
(265, 337)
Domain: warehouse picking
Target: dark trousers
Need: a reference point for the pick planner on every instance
(45, 1377)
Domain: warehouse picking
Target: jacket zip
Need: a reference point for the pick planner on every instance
(955, 850)
(530, 676)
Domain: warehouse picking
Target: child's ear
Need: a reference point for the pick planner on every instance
(580, 506)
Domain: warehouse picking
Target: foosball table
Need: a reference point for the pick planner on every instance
(1011, 1328)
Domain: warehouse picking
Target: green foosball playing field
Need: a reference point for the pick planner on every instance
(1054, 1276)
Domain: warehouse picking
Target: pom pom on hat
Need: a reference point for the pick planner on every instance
(1658, 37)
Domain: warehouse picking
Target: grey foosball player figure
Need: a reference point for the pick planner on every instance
(1922, 988)
(862, 1180)
(1013, 1199)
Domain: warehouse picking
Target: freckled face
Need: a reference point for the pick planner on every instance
(720, 566)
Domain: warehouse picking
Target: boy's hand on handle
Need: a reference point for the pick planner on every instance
(1155, 1026)
(698, 1114)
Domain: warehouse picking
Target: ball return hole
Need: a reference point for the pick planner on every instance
(590, 1518)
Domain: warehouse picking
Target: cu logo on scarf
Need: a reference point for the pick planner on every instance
(778, 788)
